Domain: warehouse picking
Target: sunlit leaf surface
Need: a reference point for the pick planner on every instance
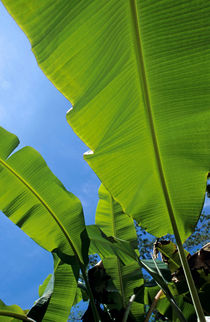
(35, 200)
(137, 74)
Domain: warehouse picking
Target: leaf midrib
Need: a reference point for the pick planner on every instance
(148, 108)
(41, 200)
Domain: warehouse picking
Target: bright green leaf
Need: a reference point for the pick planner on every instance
(114, 222)
(35, 200)
(137, 74)
(45, 285)
(10, 313)
(110, 246)
(57, 293)
(125, 278)
(64, 292)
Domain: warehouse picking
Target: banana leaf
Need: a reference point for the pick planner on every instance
(169, 254)
(114, 222)
(64, 292)
(57, 293)
(137, 75)
(111, 219)
(12, 313)
(35, 200)
(128, 278)
(47, 285)
(106, 246)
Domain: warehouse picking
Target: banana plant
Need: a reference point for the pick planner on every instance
(199, 265)
(57, 293)
(25, 180)
(126, 278)
(36, 201)
(12, 313)
(136, 73)
(125, 271)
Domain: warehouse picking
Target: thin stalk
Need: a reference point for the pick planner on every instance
(153, 306)
(157, 268)
(125, 316)
(16, 316)
(149, 113)
(96, 315)
(131, 300)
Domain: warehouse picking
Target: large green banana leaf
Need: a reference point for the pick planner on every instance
(138, 75)
(64, 292)
(35, 200)
(57, 293)
(126, 278)
(109, 247)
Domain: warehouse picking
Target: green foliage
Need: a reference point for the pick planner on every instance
(11, 313)
(47, 285)
(64, 291)
(114, 222)
(35, 200)
(136, 74)
(169, 254)
(145, 134)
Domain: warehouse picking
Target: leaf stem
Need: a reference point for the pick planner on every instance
(153, 306)
(125, 316)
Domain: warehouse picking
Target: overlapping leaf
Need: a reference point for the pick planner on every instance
(137, 74)
(109, 246)
(64, 292)
(57, 293)
(170, 254)
(126, 276)
(114, 222)
(35, 200)
(11, 313)
(126, 279)
(47, 285)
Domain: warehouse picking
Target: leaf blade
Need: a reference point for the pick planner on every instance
(65, 287)
(34, 199)
(114, 222)
(67, 48)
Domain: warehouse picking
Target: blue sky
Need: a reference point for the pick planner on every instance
(33, 109)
